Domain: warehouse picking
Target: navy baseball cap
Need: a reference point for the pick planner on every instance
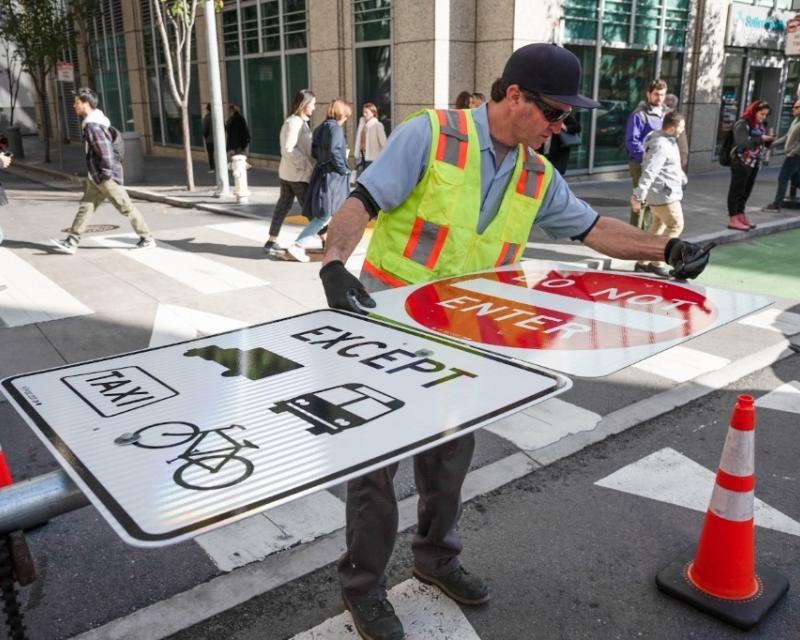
(550, 71)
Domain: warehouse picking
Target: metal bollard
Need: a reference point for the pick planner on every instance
(239, 169)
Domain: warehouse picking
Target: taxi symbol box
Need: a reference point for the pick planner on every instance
(212, 448)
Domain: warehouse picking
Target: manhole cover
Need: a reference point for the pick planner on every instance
(97, 228)
(606, 202)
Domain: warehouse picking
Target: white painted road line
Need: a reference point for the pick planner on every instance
(544, 424)
(27, 296)
(598, 311)
(425, 612)
(194, 271)
(669, 476)
(681, 363)
(173, 323)
(785, 322)
(784, 398)
(254, 538)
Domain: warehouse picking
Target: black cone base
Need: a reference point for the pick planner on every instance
(744, 614)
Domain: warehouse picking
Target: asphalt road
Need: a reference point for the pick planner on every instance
(566, 558)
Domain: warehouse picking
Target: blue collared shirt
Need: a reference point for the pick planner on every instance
(389, 182)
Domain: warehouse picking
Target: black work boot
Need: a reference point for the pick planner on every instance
(460, 585)
(375, 619)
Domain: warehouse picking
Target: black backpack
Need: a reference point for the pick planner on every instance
(117, 143)
(726, 150)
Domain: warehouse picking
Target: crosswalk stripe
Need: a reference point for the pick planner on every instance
(258, 536)
(785, 322)
(424, 611)
(31, 296)
(546, 423)
(199, 273)
(680, 364)
(173, 323)
(784, 398)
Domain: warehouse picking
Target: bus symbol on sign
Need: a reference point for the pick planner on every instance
(335, 409)
(115, 391)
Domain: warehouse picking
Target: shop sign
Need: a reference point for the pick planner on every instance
(750, 26)
(793, 37)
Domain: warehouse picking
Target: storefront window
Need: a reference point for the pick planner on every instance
(731, 95)
(372, 22)
(274, 69)
(580, 19)
(579, 156)
(623, 75)
(617, 20)
(672, 71)
(790, 94)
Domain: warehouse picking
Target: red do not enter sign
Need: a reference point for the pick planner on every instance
(561, 310)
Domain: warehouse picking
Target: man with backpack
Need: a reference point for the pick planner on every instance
(103, 145)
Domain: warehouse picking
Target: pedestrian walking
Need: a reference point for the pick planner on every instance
(645, 118)
(105, 175)
(370, 137)
(790, 169)
(330, 179)
(296, 163)
(661, 185)
(562, 143)
(208, 138)
(464, 100)
(5, 161)
(238, 134)
(750, 140)
(457, 191)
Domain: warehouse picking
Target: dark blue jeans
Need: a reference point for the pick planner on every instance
(789, 171)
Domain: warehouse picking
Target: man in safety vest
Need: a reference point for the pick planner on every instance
(457, 191)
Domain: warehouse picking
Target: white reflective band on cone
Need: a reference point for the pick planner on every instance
(737, 455)
(732, 505)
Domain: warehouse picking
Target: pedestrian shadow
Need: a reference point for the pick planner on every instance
(46, 249)
(255, 252)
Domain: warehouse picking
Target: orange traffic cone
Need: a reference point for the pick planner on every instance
(722, 579)
(5, 472)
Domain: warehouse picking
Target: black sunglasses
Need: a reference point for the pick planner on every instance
(550, 113)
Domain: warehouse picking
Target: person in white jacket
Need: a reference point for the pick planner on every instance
(370, 137)
(296, 164)
(661, 185)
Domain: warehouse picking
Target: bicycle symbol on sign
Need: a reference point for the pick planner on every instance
(202, 468)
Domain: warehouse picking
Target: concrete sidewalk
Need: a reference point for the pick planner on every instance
(704, 202)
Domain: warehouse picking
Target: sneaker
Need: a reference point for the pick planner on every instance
(146, 243)
(272, 247)
(375, 619)
(460, 585)
(771, 207)
(736, 223)
(67, 245)
(297, 252)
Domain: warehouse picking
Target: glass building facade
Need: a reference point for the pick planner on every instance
(372, 42)
(622, 45)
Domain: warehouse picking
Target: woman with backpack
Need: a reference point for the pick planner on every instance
(749, 147)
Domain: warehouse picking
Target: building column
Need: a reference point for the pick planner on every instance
(137, 73)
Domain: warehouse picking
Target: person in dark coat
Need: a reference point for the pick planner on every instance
(558, 154)
(237, 131)
(208, 138)
(330, 180)
(5, 160)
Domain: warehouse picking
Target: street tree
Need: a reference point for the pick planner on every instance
(13, 73)
(38, 29)
(84, 12)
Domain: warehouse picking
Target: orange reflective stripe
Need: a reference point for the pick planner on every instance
(437, 248)
(462, 147)
(531, 178)
(452, 144)
(384, 277)
(502, 257)
(411, 245)
(508, 254)
(735, 483)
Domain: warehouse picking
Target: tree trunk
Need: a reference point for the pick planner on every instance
(187, 146)
(41, 89)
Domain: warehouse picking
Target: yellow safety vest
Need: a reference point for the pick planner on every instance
(432, 234)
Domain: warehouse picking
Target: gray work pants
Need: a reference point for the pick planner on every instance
(372, 519)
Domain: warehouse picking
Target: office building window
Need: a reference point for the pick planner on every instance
(265, 45)
(372, 21)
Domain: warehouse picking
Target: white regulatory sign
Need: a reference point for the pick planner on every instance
(580, 321)
(180, 439)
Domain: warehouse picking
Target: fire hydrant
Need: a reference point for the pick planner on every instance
(239, 169)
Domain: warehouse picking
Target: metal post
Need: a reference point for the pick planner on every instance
(33, 502)
(217, 118)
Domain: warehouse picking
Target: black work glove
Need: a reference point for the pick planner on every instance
(687, 259)
(343, 290)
